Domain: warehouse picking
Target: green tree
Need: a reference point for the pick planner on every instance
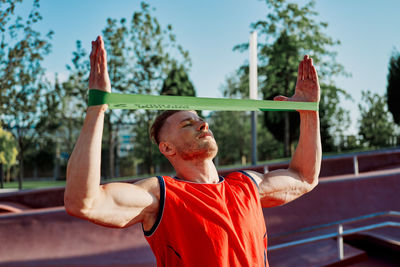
(62, 110)
(7, 9)
(178, 82)
(281, 73)
(115, 39)
(71, 97)
(140, 55)
(288, 32)
(335, 120)
(376, 126)
(232, 130)
(153, 50)
(56, 129)
(393, 87)
(8, 151)
(22, 50)
(75, 88)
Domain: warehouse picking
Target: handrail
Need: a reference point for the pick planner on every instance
(345, 221)
(333, 235)
(340, 233)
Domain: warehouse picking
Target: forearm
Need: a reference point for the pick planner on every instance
(306, 160)
(83, 170)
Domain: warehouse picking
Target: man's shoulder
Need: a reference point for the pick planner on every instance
(245, 176)
(151, 184)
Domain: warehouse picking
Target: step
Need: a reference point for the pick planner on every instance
(381, 245)
(321, 253)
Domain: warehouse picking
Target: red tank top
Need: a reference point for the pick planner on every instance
(208, 225)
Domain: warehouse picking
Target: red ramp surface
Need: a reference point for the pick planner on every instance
(52, 237)
(338, 198)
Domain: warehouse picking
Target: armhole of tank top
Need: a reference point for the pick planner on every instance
(161, 209)
(265, 251)
(251, 178)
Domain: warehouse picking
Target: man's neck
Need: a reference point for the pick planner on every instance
(203, 171)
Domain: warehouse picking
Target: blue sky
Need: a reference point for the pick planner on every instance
(208, 29)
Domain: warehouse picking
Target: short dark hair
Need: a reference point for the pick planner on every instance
(158, 123)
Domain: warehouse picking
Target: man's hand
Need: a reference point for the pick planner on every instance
(98, 78)
(307, 86)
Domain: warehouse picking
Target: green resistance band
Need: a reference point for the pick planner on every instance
(163, 102)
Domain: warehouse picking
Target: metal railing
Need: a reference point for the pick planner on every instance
(340, 233)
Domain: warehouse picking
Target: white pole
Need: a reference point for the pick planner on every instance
(355, 165)
(340, 241)
(253, 94)
(253, 66)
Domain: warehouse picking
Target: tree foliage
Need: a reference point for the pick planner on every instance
(232, 130)
(141, 53)
(22, 50)
(281, 73)
(63, 107)
(74, 98)
(8, 149)
(288, 32)
(8, 154)
(178, 83)
(115, 36)
(376, 127)
(154, 51)
(393, 87)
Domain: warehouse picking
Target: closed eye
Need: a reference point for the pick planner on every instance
(187, 124)
(190, 121)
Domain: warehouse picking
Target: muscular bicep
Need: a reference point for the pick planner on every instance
(124, 204)
(280, 186)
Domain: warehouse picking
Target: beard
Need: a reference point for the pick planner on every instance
(197, 150)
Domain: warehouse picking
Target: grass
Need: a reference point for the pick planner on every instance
(34, 184)
(37, 184)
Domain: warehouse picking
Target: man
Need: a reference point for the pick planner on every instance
(196, 218)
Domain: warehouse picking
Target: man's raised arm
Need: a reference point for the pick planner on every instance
(114, 204)
(282, 186)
